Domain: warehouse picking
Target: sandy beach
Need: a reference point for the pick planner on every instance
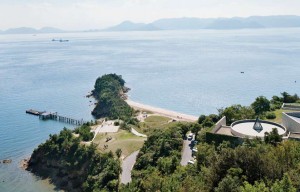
(163, 112)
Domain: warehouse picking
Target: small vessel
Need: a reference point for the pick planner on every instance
(242, 72)
(61, 40)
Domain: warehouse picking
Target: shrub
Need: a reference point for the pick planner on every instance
(201, 119)
(270, 115)
(215, 118)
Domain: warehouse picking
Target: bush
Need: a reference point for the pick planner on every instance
(215, 118)
(270, 115)
(201, 119)
(208, 122)
(84, 132)
(116, 123)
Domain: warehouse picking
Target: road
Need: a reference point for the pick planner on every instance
(127, 166)
(186, 152)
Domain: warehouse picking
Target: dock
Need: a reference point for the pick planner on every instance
(44, 115)
(34, 112)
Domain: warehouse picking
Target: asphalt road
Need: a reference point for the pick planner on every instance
(127, 166)
(186, 152)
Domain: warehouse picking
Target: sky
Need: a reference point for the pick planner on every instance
(98, 14)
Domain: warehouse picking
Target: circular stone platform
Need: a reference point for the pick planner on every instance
(244, 128)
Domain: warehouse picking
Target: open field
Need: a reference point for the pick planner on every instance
(123, 140)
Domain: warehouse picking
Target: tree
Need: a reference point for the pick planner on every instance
(118, 152)
(261, 105)
(237, 112)
(287, 98)
(257, 187)
(195, 129)
(201, 119)
(285, 185)
(273, 137)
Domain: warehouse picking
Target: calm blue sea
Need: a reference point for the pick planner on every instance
(192, 72)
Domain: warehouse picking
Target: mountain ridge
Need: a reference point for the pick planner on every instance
(30, 30)
(192, 23)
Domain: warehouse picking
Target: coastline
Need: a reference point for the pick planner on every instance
(163, 112)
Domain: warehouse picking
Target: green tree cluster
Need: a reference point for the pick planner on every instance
(237, 112)
(254, 166)
(73, 166)
(109, 92)
(84, 132)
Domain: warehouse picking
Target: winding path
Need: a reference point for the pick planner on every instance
(127, 166)
(133, 131)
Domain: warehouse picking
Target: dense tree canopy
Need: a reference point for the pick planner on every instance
(109, 92)
(254, 166)
(237, 112)
(73, 166)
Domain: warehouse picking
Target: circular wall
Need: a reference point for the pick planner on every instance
(244, 128)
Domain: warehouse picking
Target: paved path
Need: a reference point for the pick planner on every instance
(137, 133)
(186, 152)
(127, 166)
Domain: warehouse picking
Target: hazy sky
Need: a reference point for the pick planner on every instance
(96, 14)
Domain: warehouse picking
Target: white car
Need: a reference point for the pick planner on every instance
(191, 162)
(190, 136)
(195, 150)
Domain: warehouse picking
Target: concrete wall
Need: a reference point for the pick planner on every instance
(291, 124)
(219, 124)
(290, 106)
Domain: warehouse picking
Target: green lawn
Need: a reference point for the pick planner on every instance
(123, 140)
(154, 122)
(278, 114)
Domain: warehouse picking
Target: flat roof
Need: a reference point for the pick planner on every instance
(246, 128)
(224, 131)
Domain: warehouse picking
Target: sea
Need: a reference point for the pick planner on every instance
(193, 72)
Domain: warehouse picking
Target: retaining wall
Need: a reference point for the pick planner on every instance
(291, 124)
(219, 124)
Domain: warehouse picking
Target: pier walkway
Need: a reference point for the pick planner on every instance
(54, 116)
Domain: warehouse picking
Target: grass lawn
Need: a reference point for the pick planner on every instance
(278, 114)
(154, 122)
(123, 140)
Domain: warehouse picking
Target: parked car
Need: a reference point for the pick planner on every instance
(195, 150)
(191, 162)
(190, 136)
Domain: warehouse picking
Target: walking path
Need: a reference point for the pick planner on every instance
(137, 133)
(127, 166)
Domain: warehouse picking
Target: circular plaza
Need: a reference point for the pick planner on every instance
(255, 128)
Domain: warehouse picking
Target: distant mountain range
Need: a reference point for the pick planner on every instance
(211, 23)
(254, 22)
(28, 30)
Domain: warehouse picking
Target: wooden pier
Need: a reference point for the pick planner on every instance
(54, 116)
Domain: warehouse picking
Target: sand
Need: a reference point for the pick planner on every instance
(163, 112)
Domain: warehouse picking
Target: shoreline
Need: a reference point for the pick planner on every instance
(163, 112)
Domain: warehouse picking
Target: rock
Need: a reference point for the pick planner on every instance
(24, 163)
(7, 161)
